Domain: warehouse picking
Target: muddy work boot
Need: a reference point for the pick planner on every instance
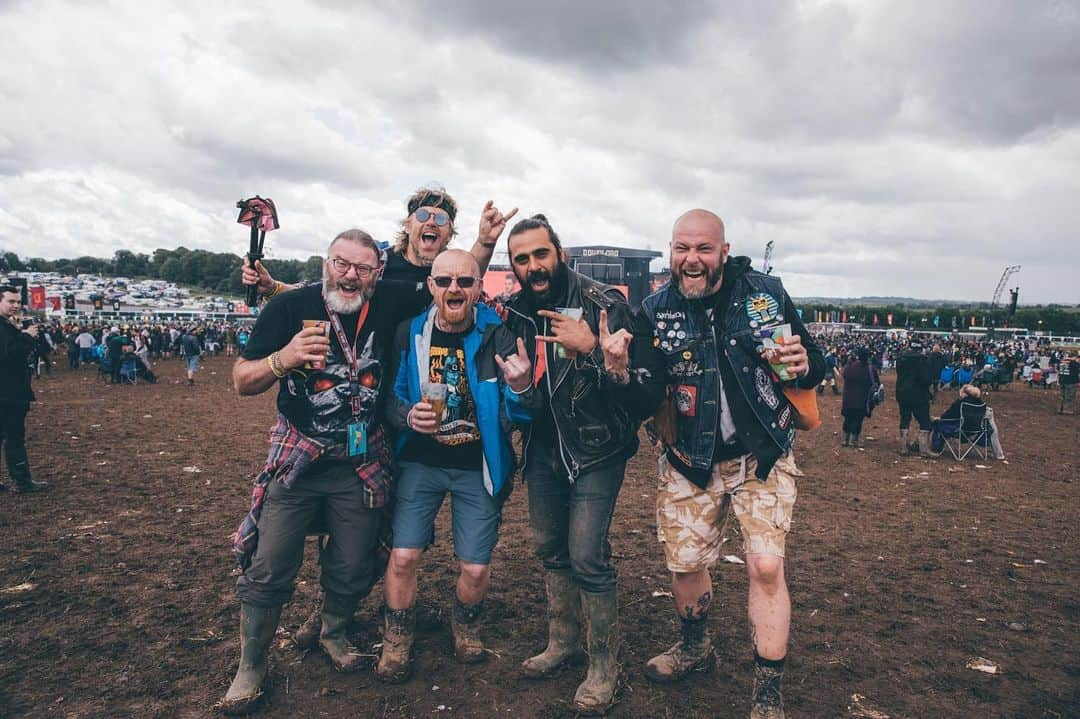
(307, 634)
(465, 624)
(924, 443)
(564, 628)
(596, 695)
(905, 448)
(399, 631)
(336, 614)
(693, 654)
(257, 627)
(768, 702)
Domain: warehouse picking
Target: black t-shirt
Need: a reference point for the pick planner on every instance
(317, 401)
(399, 269)
(456, 444)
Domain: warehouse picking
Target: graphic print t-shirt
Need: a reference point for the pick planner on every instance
(317, 401)
(456, 445)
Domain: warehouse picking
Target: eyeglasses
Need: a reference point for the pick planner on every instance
(444, 281)
(343, 266)
(424, 214)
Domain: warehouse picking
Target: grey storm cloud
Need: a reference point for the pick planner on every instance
(885, 148)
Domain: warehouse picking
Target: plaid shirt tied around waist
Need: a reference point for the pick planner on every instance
(291, 454)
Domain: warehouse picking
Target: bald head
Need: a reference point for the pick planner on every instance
(699, 222)
(455, 262)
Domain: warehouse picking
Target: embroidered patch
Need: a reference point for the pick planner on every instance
(764, 386)
(686, 399)
(785, 417)
(762, 307)
(687, 368)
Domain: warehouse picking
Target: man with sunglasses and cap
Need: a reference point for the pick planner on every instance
(452, 441)
(425, 232)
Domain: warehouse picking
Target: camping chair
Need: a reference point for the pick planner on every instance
(971, 432)
(105, 368)
(946, 377)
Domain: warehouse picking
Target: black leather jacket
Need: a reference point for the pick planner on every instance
(15, 348)
(592, 422)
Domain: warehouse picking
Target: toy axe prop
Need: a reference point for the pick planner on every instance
(260, 215)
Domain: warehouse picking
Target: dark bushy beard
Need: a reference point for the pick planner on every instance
(556, 287)
(711, 278)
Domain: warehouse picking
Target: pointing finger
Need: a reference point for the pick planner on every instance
(521, 348)
(604, 334)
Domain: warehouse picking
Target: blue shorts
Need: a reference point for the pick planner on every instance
(192, 362)
(475, 514)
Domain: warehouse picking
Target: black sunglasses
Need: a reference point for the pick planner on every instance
(423, 214)
(444, 281)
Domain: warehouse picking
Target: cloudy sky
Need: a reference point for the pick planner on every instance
(887, 148)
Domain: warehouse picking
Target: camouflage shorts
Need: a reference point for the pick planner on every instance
(690, 521)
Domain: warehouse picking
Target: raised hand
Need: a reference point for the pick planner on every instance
(615, 347)
(492, 223)
(258, 276)
(516, 368)
(574, 335)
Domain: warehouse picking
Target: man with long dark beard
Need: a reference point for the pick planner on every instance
(325, 347)
(575, 453)
(726, 436)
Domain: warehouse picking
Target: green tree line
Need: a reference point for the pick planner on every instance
(1059, 319)
(212, 271)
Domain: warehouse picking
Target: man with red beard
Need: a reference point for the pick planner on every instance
(725, 342)
(575, 452)
(330, 454)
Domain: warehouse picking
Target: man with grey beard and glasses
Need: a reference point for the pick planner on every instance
(325, 347)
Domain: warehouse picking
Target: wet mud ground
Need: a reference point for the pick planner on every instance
(116, 586)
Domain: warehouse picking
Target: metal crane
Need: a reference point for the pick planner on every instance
(765, 266)
(1009, 272)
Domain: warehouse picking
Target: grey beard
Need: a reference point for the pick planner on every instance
(339, 304)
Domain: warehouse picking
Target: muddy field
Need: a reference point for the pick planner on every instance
(116, 586)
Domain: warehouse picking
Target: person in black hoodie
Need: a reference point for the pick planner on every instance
(913, 397)
(15, 392)
(727, 428)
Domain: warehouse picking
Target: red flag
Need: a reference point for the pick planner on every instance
(55, 302)
(37, 298)
(845, 316)
(875, 318)
(889, 318)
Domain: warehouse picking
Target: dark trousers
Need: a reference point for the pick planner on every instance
(920, 411)
(73, 359)
(570, 522)
(335, 494)
(13, 439)
(853, 419)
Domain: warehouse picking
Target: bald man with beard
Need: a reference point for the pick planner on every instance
(727, 433)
